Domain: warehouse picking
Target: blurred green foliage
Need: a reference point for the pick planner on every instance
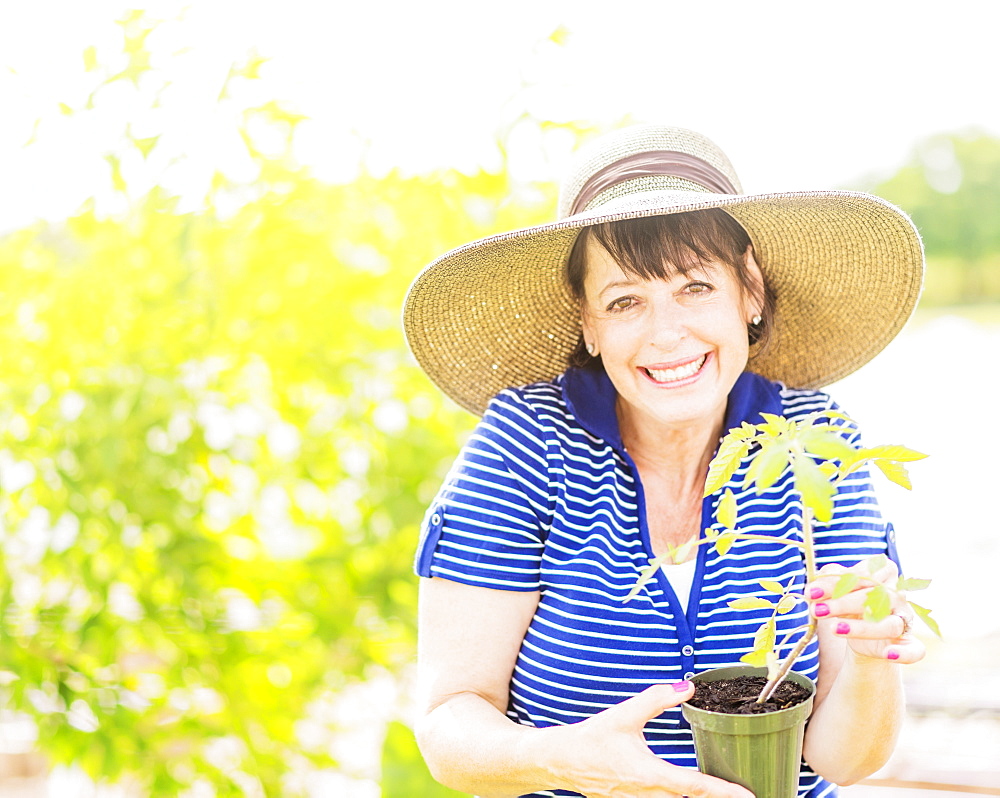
(951, 188)
(215, 452)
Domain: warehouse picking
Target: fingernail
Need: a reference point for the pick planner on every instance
(821, 610)
(843, 628)
(681, 687)
(892, 654)
(816, 593)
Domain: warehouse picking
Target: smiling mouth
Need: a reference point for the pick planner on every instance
(676, 374)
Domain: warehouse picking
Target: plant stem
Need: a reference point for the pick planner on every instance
(810, 633)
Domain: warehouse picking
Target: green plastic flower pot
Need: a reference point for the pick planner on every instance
(761, 752)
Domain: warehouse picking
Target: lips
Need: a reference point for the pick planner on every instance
(676, 373)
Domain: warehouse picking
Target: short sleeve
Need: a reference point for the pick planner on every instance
(488, 524)
(857, 530)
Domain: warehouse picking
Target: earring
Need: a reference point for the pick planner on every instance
(755, 320)
(591, 350)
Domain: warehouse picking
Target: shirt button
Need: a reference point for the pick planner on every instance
(688, 676)
(892, 535)
(435, 519)
(687, 651)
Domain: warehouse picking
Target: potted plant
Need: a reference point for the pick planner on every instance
(755, 739)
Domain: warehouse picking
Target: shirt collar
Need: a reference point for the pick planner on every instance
(591, 397)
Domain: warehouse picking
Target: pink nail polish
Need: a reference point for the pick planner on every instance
(892, 654)
(816, 593)
(843, 628)
(681, 687)
(821, 610)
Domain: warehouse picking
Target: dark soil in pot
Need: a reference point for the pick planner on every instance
(738, 696)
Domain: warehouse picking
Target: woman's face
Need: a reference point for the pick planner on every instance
(673, 348)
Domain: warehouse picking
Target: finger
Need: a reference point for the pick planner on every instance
(637, 711)
(906, 650)
(697, 785)
(828, 578)
(892, 628)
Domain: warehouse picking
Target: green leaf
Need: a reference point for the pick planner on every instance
(878, 604)
(771, 586)
(724, 543)
(751, 603)
(682, 553)
(756, 659)
(727, 510)
(816, 490)
(827, 444)
(925, 616)
(876, 563)
(893, 452)
(845, 584)
(645, 575)
(768, 465)
(895, 472)
(912, 583)
(732, 450)
(764, 638)
(787, 604)
(775, 425)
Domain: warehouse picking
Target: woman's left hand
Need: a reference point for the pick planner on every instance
(888, 639)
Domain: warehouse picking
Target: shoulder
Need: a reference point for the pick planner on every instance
(540, 407)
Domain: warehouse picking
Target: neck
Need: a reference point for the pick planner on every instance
(679, 454)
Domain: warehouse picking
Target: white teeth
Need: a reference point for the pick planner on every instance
(679, 373)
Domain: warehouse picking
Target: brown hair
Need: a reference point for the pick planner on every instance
(662, 246)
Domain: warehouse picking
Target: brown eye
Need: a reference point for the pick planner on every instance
(622, 303)
(698, 288)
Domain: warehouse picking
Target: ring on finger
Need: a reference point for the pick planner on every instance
(907, 623)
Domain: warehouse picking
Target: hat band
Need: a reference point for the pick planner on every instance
(655, 162)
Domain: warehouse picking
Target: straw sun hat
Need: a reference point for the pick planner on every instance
(846, 269)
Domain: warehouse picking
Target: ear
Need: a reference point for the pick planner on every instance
(757, 277)
(587, 327)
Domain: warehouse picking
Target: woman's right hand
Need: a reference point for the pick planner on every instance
(606, 756)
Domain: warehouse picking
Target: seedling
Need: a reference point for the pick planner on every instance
(820, 459)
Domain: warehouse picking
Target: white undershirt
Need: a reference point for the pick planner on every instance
(680, 578)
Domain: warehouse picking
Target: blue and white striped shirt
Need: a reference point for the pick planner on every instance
(544, 497)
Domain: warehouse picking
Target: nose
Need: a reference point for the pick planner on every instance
(667, 326)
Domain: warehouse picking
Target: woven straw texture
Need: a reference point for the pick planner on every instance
(846, 267)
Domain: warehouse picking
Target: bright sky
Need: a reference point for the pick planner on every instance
(800, 94)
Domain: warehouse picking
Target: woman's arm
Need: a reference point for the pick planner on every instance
(469, 641)
(859, 699)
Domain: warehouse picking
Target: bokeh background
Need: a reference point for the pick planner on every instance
(215, 450)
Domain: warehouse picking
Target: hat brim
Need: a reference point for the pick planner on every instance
(846, 268)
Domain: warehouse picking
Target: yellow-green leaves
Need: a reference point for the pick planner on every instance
(925, 616)
(731, 451)
(787, 604)
(726, 512)
(845, 584)
(751, 603)
(763, 644)
(816, 490)
(878, 604)
(769, 464)
(819, 454)
(895, 472)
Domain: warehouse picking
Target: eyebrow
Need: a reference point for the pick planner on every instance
(616, 285)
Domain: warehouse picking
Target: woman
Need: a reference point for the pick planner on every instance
(682, 309)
